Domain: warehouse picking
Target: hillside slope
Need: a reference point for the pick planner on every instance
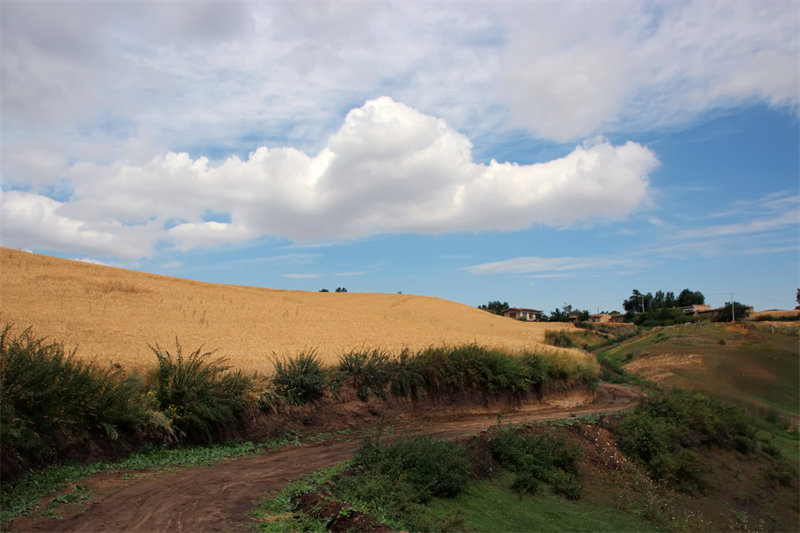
(112, 315)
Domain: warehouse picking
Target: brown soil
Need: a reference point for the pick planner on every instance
(221, 496)
(112, 315)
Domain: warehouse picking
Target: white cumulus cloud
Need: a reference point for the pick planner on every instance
(389, 168)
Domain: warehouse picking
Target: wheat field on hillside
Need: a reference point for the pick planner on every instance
(112, 315)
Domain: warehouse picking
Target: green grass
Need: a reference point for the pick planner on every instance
(749, 366)
(492, 505)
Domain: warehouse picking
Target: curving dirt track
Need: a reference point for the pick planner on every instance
(221, 496)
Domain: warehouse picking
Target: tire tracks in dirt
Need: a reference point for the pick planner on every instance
(220, 497)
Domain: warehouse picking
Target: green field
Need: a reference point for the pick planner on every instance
(492, 506)
(750, 365)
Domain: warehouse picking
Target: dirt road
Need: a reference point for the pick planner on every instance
(221, 496)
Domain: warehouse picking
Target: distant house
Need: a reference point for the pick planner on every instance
(523, 314)
(600, 318)
(696, 309)
(617, 318)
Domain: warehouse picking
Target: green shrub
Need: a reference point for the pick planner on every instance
(558, 338)
(198, 395)
(665, 428)
(300, 379)
(431, 467)
(535, 458)
(50, 399)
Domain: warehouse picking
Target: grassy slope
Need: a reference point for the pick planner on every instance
(750, 366)
(485, 506)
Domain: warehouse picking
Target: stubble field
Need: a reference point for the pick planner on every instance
(111, 315)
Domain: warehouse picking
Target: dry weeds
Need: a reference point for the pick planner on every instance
(112, 315)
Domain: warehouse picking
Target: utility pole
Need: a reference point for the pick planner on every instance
(733, 310)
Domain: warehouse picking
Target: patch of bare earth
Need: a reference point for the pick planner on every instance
(659, 368)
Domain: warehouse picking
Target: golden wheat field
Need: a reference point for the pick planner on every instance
(112, 315)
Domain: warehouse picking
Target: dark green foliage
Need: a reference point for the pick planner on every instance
(198, 395)
(662, 316)
(739, 312)
(688, 297)
(665, 429)
(369, 370)
(567, 314)
(395, 480)
(495, 307)
(534, 458)
(558, 338)
(430, 467)
(50, 399)
(300, 379)
(662, 309)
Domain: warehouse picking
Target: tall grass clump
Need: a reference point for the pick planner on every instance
(50, 399)
(407, 379)
(300, 379)
(199, 395)
(667, 430)
(471, 368)
(370, 371)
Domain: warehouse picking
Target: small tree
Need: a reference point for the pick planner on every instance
(341, 289)
(688, 297)
(738, 311)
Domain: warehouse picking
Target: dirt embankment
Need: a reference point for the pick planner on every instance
(220, 497)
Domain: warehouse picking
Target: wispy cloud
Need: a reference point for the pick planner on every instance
(770, 229)
(552, 266)
(781, 221)
(300, 276)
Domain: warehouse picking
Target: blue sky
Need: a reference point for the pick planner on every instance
(535, 153)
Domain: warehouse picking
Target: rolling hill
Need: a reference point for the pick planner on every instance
(111, 315)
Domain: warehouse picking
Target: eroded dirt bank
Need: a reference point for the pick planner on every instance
(221, 496)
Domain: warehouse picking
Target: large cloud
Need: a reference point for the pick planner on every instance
(389, 168)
